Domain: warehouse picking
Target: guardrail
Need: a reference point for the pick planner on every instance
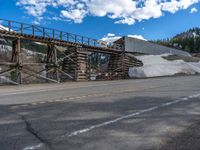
(35, 30)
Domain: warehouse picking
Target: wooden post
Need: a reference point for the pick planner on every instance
(52, 62)
(69, 63)
(48, 60)
(17, 58)
(123, 65)
(90, 66)
(81, 65)
(56, 63)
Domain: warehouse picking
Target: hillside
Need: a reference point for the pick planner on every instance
(188, 41)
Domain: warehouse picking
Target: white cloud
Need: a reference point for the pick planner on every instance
(36, 22)
(76, 14)
(151, 9)
(126, 20)
(110, 37)
(140, 37)
(114, 9)
(193, 10)
(121, 11)
(175, 5)
(35, 8)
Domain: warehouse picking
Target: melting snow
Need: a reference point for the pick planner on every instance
(155, 65)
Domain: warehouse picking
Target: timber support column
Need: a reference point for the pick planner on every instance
(69, 63)
(18, 60)
(81, 73)
(52, 66)
(123, 65)
(56, 64)
(115, 66)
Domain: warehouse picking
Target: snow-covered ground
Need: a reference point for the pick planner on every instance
(3, 79)
(156, 65)
(6, 48)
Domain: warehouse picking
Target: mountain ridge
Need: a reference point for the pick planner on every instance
(188, 41)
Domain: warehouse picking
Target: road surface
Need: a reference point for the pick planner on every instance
(146, 114)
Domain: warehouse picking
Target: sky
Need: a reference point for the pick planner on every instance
(107, 19)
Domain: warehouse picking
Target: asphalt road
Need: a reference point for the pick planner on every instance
(146, 114)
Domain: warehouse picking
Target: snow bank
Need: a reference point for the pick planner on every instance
(155, 65)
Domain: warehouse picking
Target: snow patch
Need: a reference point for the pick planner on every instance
(4, 28)
(7, 48)
(6, 80)
(156, 65)
(110, 37)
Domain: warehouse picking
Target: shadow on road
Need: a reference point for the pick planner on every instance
(189, 139)
(46, 123)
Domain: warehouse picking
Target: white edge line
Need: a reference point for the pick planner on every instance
(35, 147)
(129, 116)
(75, 133)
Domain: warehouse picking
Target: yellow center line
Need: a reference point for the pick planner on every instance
(73, 98)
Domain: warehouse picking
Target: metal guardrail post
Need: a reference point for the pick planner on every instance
(33, 30)
(61, 36)
(89, 41)
(75, 38)
(43, 31)
(21, 28)
(67, 36)
(82, 39)
(9, 26)
(53, 33)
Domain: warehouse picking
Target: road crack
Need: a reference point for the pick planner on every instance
(31, 130)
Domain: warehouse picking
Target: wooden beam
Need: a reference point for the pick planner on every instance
(39, 76)
(7, 71)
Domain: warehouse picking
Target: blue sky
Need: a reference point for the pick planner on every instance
(151, 19)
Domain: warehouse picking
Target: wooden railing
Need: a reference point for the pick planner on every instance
(35, 30)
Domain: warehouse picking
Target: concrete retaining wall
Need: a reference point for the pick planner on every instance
(140, 46)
